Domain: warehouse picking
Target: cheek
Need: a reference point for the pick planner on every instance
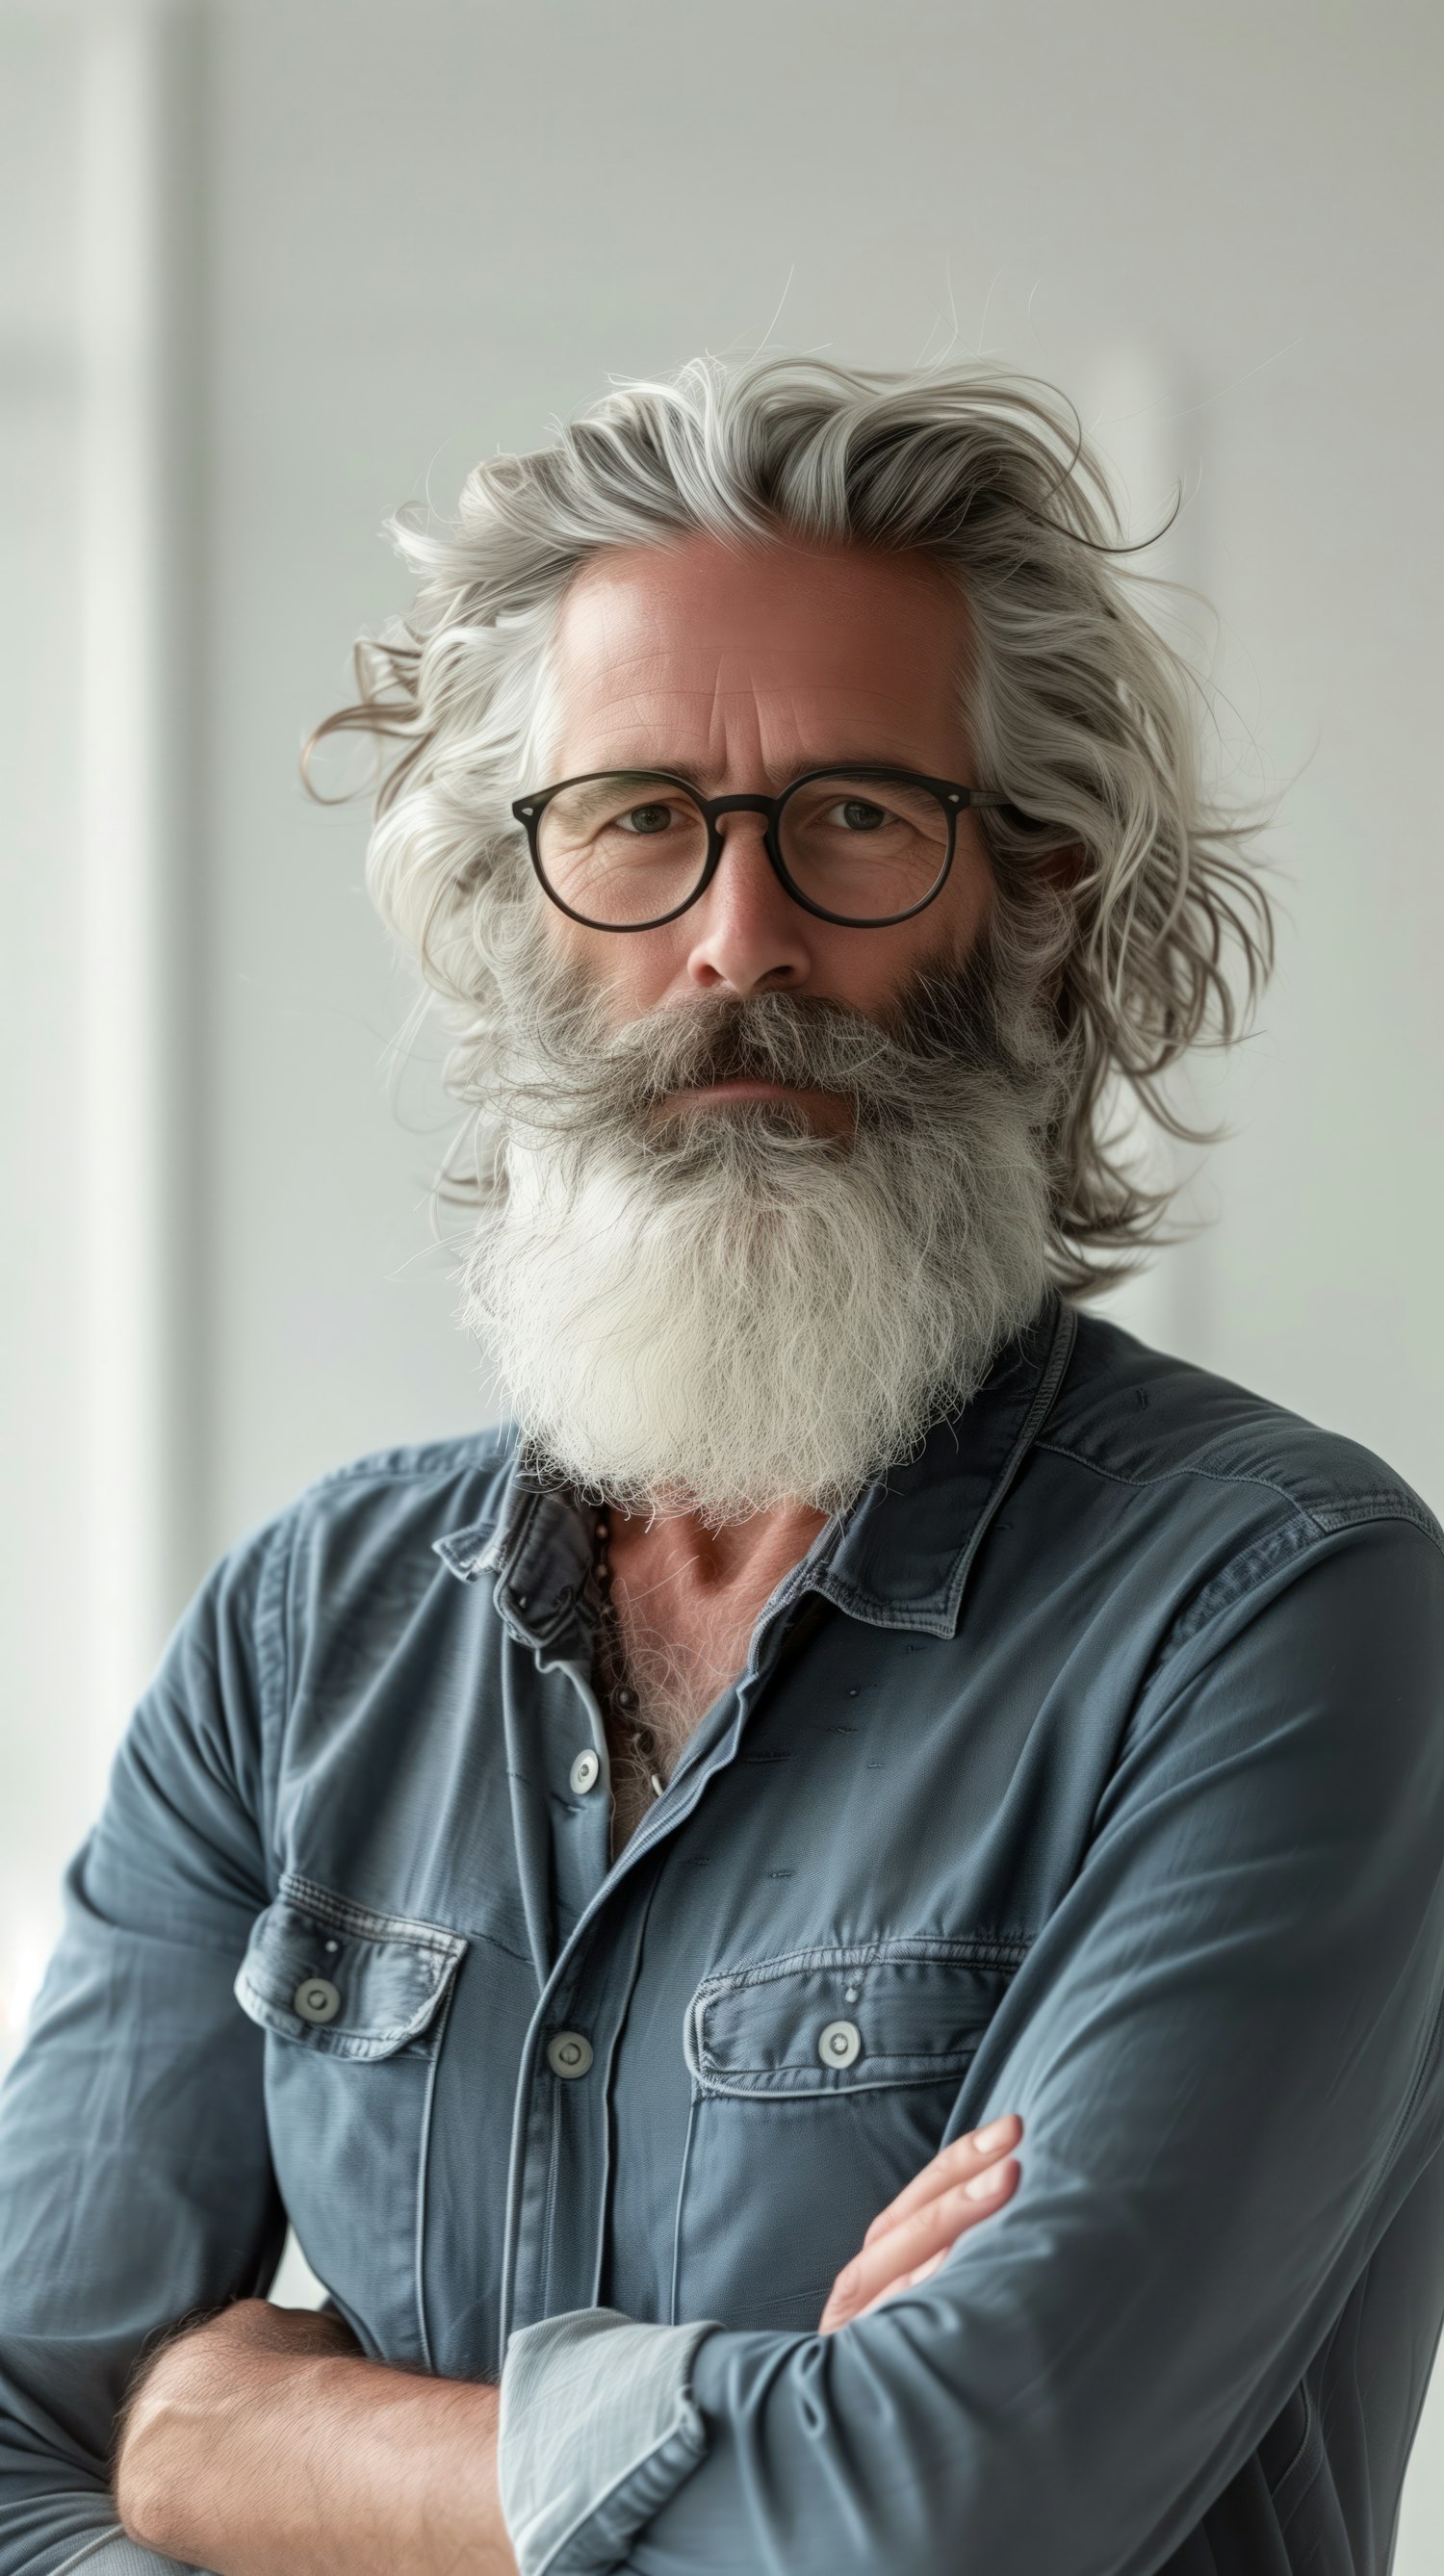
(867, 967)
(958, 918)
(634, 973)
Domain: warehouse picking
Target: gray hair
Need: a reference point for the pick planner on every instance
(1126, 893)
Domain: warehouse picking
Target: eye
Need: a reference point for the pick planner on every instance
(856, 814)
(644, 820)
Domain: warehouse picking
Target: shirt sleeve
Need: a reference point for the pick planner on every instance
(135, 2177)
(596, 2419)
(110, 2553)
(1225, 2047)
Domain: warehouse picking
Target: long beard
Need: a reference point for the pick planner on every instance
(717, 1310)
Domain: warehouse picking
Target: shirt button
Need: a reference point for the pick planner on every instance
(586, 1771)
(840, 2044)
(316, 1999)
(569, 2054)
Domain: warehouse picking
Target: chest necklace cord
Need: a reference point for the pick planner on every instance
(620, 1702)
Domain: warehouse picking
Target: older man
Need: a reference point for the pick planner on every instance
(854, 1909)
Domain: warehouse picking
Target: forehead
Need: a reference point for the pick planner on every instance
(829, 632)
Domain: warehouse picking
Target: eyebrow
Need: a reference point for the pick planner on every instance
(854, 759)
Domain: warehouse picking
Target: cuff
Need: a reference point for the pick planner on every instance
(598, 2429)
(113, 2553)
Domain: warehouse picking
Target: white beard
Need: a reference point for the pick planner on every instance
(731, 1311)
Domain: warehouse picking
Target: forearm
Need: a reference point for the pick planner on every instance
(243, 2455)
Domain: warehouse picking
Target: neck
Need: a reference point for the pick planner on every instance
(683, 1552)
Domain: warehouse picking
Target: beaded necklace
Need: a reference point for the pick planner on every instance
(619, 1698)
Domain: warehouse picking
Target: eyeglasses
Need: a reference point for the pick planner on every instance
(629, 849)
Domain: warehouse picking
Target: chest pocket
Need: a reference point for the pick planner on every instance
(354, 2004)
(821, 2083)
(343, 1980)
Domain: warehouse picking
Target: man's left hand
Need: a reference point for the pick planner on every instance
(910, 2239)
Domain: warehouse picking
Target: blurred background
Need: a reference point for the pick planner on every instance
(269, 268)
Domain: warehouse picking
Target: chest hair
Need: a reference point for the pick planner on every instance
(677, 1672)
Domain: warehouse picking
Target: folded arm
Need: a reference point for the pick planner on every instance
(260, 2443)
(1225, 2049)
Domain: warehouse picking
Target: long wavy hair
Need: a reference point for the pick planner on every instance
(1127, 893)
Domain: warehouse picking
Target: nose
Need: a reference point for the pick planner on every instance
(748, 936)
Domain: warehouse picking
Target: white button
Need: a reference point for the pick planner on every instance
(586, 1771)
(316, 1999)
(840, 2044)
(569, 2053)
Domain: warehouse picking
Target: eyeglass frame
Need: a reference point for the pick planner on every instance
(953, 798)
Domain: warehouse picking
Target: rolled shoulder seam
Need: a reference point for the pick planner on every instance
(1287, 1547)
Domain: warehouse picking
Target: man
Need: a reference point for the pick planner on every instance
(855, 1908)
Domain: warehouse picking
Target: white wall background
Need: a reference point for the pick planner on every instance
(268, 267)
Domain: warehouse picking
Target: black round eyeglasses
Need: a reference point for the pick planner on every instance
(630, 849)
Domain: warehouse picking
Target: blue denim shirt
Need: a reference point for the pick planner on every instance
(1092, 1767)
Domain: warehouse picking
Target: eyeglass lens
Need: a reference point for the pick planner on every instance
(626, 850)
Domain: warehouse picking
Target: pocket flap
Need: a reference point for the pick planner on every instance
(848, 2019)
(341, 1978)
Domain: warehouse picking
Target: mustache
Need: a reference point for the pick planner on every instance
(801, 1042)
(934, 1042)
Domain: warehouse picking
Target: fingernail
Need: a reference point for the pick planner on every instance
(983, 2185)
(986, 2139)
(844, 2288)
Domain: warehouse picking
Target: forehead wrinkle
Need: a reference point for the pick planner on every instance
(740, 685)
(687, 725)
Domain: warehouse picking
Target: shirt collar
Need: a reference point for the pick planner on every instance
(903, 1556)
(900, 1558)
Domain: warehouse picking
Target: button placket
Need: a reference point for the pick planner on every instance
(560, 2125)
(557, 2194)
